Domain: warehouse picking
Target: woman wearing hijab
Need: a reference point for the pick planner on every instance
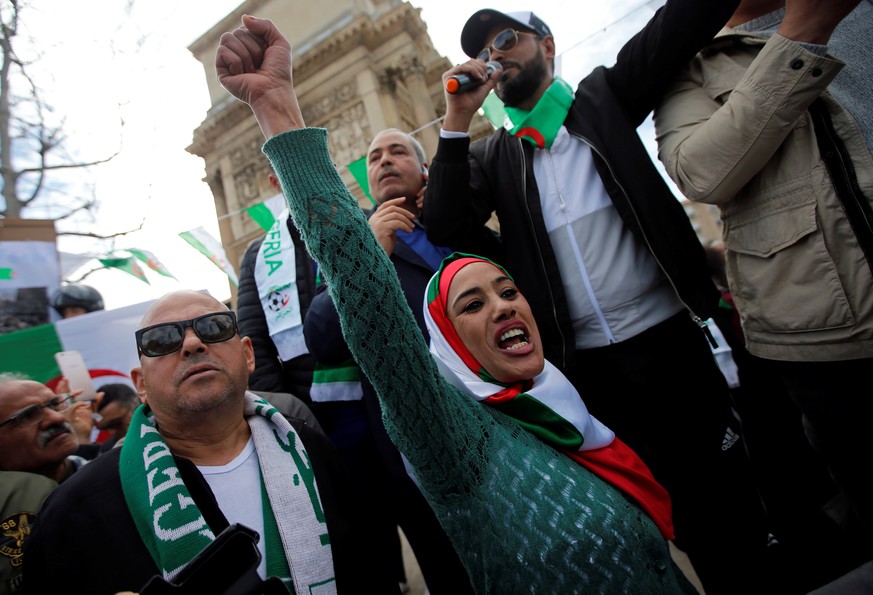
(486, 343)
(523, 517)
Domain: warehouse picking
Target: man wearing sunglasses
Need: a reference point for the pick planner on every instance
(201, 453)
(612, 267)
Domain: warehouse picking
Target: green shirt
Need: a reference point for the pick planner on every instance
(21, 497)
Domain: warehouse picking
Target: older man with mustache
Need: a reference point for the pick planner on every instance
(36, 441)
(35, 434)
(397, 177)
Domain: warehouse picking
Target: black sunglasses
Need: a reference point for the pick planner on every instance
(167, 337)
(34, 414)
(505, 41)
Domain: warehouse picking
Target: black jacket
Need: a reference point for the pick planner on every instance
(86, 540)
(467, 182)
(325, 341)
(271, 374)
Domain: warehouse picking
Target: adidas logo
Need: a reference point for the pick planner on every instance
(730, 438)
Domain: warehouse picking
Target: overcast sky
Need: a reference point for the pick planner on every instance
(100, 64)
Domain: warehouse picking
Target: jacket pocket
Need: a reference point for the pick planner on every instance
(783, 278)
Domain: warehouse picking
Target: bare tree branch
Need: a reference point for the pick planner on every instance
(47, 167)
(84, 234)
(32, 147)
(86, 274)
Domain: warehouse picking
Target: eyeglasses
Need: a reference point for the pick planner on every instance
(505, 41)
(33, 415)
(167, 337)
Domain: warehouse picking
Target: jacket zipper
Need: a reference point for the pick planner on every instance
(701, 324)
(542, 263)
(842, 173)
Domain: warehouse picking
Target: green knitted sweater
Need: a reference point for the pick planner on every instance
(523, 517)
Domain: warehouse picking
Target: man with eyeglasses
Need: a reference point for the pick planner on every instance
(35, 434)
(200, 454)
(606, 254)
(36, 444)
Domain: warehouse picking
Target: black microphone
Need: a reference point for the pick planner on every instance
(459, 83)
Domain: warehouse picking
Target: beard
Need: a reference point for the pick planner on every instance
(529, 78)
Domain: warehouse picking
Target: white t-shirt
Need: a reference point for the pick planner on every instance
(237, 489)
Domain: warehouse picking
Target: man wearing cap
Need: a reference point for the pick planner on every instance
(200, 454)
(613, 270)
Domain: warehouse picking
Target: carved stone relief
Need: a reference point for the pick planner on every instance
(250, 182)
(246, 184)
(350, 134)
(395, 81)
(323, 106)
(246, 152)
(410, 65)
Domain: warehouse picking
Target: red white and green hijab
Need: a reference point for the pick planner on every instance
(547, 405)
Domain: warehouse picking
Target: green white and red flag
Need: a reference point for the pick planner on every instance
(211, 249)
(105, 339)
(151, 261)
(127, 264)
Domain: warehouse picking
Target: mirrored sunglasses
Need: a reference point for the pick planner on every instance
(33, 415)
(503, 42)
(167, 337)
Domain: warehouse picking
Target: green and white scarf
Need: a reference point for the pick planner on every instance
(174, 530)
(540, 125)
(276, 278)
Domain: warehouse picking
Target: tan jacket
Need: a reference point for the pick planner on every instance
(735, 129)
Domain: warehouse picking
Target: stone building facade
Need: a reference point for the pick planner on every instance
(359, 66)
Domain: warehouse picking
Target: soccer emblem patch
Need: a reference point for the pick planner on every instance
(277, 300)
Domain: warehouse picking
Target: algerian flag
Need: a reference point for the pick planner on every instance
(493, 109)
(127, 264)
(265, 213)
(358, 170)
(105, 339)
(211, 249)
(151, 261)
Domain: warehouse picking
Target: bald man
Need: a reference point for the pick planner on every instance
(201, 453)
